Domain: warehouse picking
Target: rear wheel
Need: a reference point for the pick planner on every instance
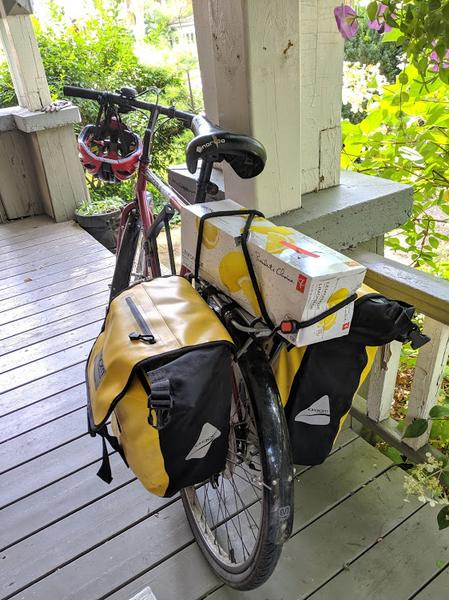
(242, 516)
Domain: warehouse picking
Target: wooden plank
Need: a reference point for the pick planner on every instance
(58, 500)
(50, 248)
(23, 344)
(24, 59)
(48, 549)
(428, 376)
(317, 491)
(430, 294)
(437, 589)
(395, 567)
(47, 348)
(17, 268)
(63, 230)
(323, 549)
(37, 233)
(18, 191)
(44, 323)
(42, 388)
(382, 381)
(16, 265)
(36, 414)
(41, 440)
(329, 157)
(59, 170)
(46, 469)
(43, 367)
(13, 228)
(131, 553)
(54, 272)
(74, 278)
(99, 283)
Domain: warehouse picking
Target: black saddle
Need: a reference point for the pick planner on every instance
(246, 155)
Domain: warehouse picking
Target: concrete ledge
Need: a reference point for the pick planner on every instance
(20, 118)
(7, 122)
(29, 121)
(361, 208)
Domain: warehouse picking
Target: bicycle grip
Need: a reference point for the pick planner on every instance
(78, 92)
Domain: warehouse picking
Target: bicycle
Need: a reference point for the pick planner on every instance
(242, 516)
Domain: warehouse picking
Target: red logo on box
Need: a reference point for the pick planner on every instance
(345, 326)
(301, 283)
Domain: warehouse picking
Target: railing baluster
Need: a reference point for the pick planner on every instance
(430, 364)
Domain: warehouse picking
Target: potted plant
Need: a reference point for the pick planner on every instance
(100, 217)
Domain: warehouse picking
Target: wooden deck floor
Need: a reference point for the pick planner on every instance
(64, 534)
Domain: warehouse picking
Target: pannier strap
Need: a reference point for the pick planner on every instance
(104, 472)
(292, 326)
(250, 214)
(160, 401)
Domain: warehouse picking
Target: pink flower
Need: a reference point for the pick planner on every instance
(379, 22)
(346, 19)
(436, 63)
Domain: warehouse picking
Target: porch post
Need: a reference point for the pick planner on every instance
(250, 68)
(60, 176)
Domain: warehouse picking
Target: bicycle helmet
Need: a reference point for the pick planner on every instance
(109, 150)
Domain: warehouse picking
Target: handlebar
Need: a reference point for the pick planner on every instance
(127, 102)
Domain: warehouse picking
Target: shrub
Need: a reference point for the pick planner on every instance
(98, 53)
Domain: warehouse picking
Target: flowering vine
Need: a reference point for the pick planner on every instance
(410, 24)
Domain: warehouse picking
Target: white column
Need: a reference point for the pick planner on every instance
(59, 173)
(250, 68)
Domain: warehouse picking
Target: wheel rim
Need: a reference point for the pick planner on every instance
(228, 510)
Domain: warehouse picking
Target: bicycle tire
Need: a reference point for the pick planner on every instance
(277, 492)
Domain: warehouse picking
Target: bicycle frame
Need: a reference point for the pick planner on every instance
(146, 175)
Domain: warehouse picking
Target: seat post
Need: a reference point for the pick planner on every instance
(203, 180)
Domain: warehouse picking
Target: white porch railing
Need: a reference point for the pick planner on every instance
(430, 296)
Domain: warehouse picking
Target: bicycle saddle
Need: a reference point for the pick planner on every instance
(246, 155)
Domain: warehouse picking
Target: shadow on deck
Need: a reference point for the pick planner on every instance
(64, 534)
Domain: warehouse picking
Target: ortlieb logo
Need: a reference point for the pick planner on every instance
(99, 369)
(208, 434)
(319, 413)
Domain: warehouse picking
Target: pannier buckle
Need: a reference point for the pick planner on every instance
(160, 404)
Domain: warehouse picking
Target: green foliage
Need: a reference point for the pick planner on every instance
(158, 32)
(416, 428)
(405, 137)
(420, 28)
(443, 518)
(97, 52)
(101, 205)
(368, 48)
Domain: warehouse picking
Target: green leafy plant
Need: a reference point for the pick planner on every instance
(420, 29)
(430, 480)
(99, 206)
(405, 137)
(97, 52)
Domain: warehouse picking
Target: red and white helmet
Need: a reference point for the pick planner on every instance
(109, 150)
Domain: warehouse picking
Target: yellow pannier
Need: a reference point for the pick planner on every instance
(161, 371)
(317, 383)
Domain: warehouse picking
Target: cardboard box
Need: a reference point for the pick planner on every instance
(299, 278)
